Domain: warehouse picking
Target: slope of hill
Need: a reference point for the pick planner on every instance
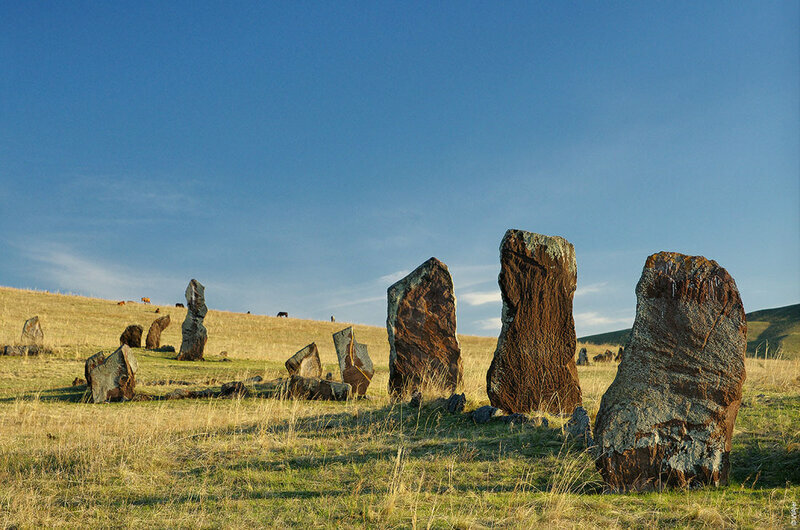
(770, 332)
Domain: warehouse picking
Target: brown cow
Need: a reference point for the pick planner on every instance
(145, 300)
(120, 303)
(283, 314)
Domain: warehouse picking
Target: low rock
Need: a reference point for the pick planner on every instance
(32, 331)
(25, 350)
(78, 382)
(456, 403)
(305, 363)
(113, 379)
(605, 357)
(515, 418)
(234, 389)
(132, 336)
(484, 414)
(314, 388)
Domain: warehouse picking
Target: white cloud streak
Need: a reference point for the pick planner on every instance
(591, 289)
(489, 324)
(481, 298)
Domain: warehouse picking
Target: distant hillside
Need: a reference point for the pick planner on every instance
(769, 331)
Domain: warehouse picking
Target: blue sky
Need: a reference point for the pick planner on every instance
(301, 156)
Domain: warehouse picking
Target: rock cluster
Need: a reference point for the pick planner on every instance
(153, 340)
(421, 323)
(111, 378)
(354, 361)
(534, 364)
(668, 417)
(194, 334)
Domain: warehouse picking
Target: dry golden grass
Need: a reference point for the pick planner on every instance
(283, 463)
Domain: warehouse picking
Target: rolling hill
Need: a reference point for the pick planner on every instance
(770, 332)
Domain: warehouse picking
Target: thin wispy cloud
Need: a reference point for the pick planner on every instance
(394, 276)
(593, 318)
(489, 324)
(481, 298)
(87, 275)
(591, 289)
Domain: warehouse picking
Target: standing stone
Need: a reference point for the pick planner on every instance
(153, 341)
(32, 331)
(667, 419)
(583, 358)
(91, 363)
(354, 361)
(113, 378)
(132, 336)
(618, 356)
(579, 427)
(421, 321)
(193, 332)
(534, 363)
(305, 363)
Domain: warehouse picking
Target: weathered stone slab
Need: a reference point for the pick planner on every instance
(153, 341)
(315, 388)
(32, 331)
(667, 419)
(24, 350)
(193, 331)
(132, 336)
(583, 358)
(421, 322)
(113, 378)
(485, 414)
(534, 364)
(354, 361)
(306, 362)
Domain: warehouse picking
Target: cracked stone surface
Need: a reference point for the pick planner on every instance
(354, 361)
(112, 378)
(534, 364)
(421, 323)
(194, 334)
(668, 417)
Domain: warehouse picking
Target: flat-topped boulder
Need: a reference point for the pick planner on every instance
(32, 331)
(194, 334)
(534, 364)
(153, 340)
(132, 336)
(421, 322)
(354, 361)
(305, 363)
(112, 378)
(668, 417)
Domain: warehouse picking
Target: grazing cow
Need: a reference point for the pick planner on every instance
(179, 304)
(283, 314)
(145, 300)
(248, 312)
(120, 303)
(333, 319)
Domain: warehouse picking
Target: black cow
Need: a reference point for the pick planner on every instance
(179, 304)
(283, 314)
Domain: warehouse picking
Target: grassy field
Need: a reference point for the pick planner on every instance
(371, 463)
